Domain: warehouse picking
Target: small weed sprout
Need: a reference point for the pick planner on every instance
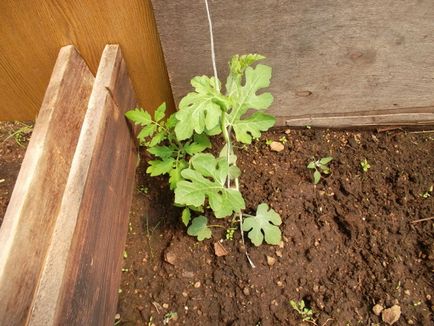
(171, 315)
(230, 233)
(21, 135)
(365, 165)
(427, 193)
(305, 313)
(320, 167)
(142, 189)
(283, 140)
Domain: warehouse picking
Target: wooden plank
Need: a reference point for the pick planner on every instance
(31, 32)
(81, 277)
(328, 56)
(35, 202)
(399, 117)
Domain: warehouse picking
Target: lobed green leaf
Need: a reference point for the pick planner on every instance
(251, 128)
(199, 228)
(205, 179)
(263, 226)
(158, 167)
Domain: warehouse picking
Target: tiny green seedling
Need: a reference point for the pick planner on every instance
(21, 135)
(230, 233)
(283, 140)
(142, 189)
(171, 315)
(427, 193)
(305, 313)
(365, 165)
(268, 142)
(320, 167)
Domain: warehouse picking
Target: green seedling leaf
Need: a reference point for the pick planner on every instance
(325, 160)
(199, 228)
(186, 216)
(205, 179)
(263, 225)
(224, 154)
(198, 111)
(234, 172)
(160, 112)
(139, 116)
(175, 173)
(146, 132)
(199, 144)
(171, 121)
(311, 165)
(161, 151)
(316, 177)
(252, 127)
(158, 138)
(245, 97)
(157, 167)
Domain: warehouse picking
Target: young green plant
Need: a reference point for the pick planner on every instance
(365, 165)
(199, 179)
(305, 313)
(320, 167)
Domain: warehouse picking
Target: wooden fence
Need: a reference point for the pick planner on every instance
(32, 32)
(65, 228)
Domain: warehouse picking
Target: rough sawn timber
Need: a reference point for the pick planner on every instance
(80, 281)
(330, 57)
(36, 199)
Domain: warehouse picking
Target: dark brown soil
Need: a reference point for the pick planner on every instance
(348, 242)
(13, 141)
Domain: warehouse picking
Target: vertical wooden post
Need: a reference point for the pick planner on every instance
(35, 203)
(81, 276)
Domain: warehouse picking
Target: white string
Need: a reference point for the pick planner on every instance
(214, 66)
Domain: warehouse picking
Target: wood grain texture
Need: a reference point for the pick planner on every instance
(31, 215)
(81, 277)
(328, 56)
(31, 33)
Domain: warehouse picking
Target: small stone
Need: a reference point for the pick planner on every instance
(185, 294)
(407, 292)
(410, 322)
(391, 315)
(281, 245)
(271, 261)
(277, 146)
(279, 283)
(428, 297)
(170, 257)
(279, 253)
(219, 250)
(187, 274)
(287, 131)
(197, 285)
(246, 291)
(165, 305)
(117, 316)
(377, 309)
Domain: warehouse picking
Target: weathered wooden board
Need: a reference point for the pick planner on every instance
(81, 276)
(36, 200)
(31, 32)
(330, 57)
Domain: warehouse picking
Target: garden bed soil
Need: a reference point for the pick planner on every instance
(12, 150)
(348, 243)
